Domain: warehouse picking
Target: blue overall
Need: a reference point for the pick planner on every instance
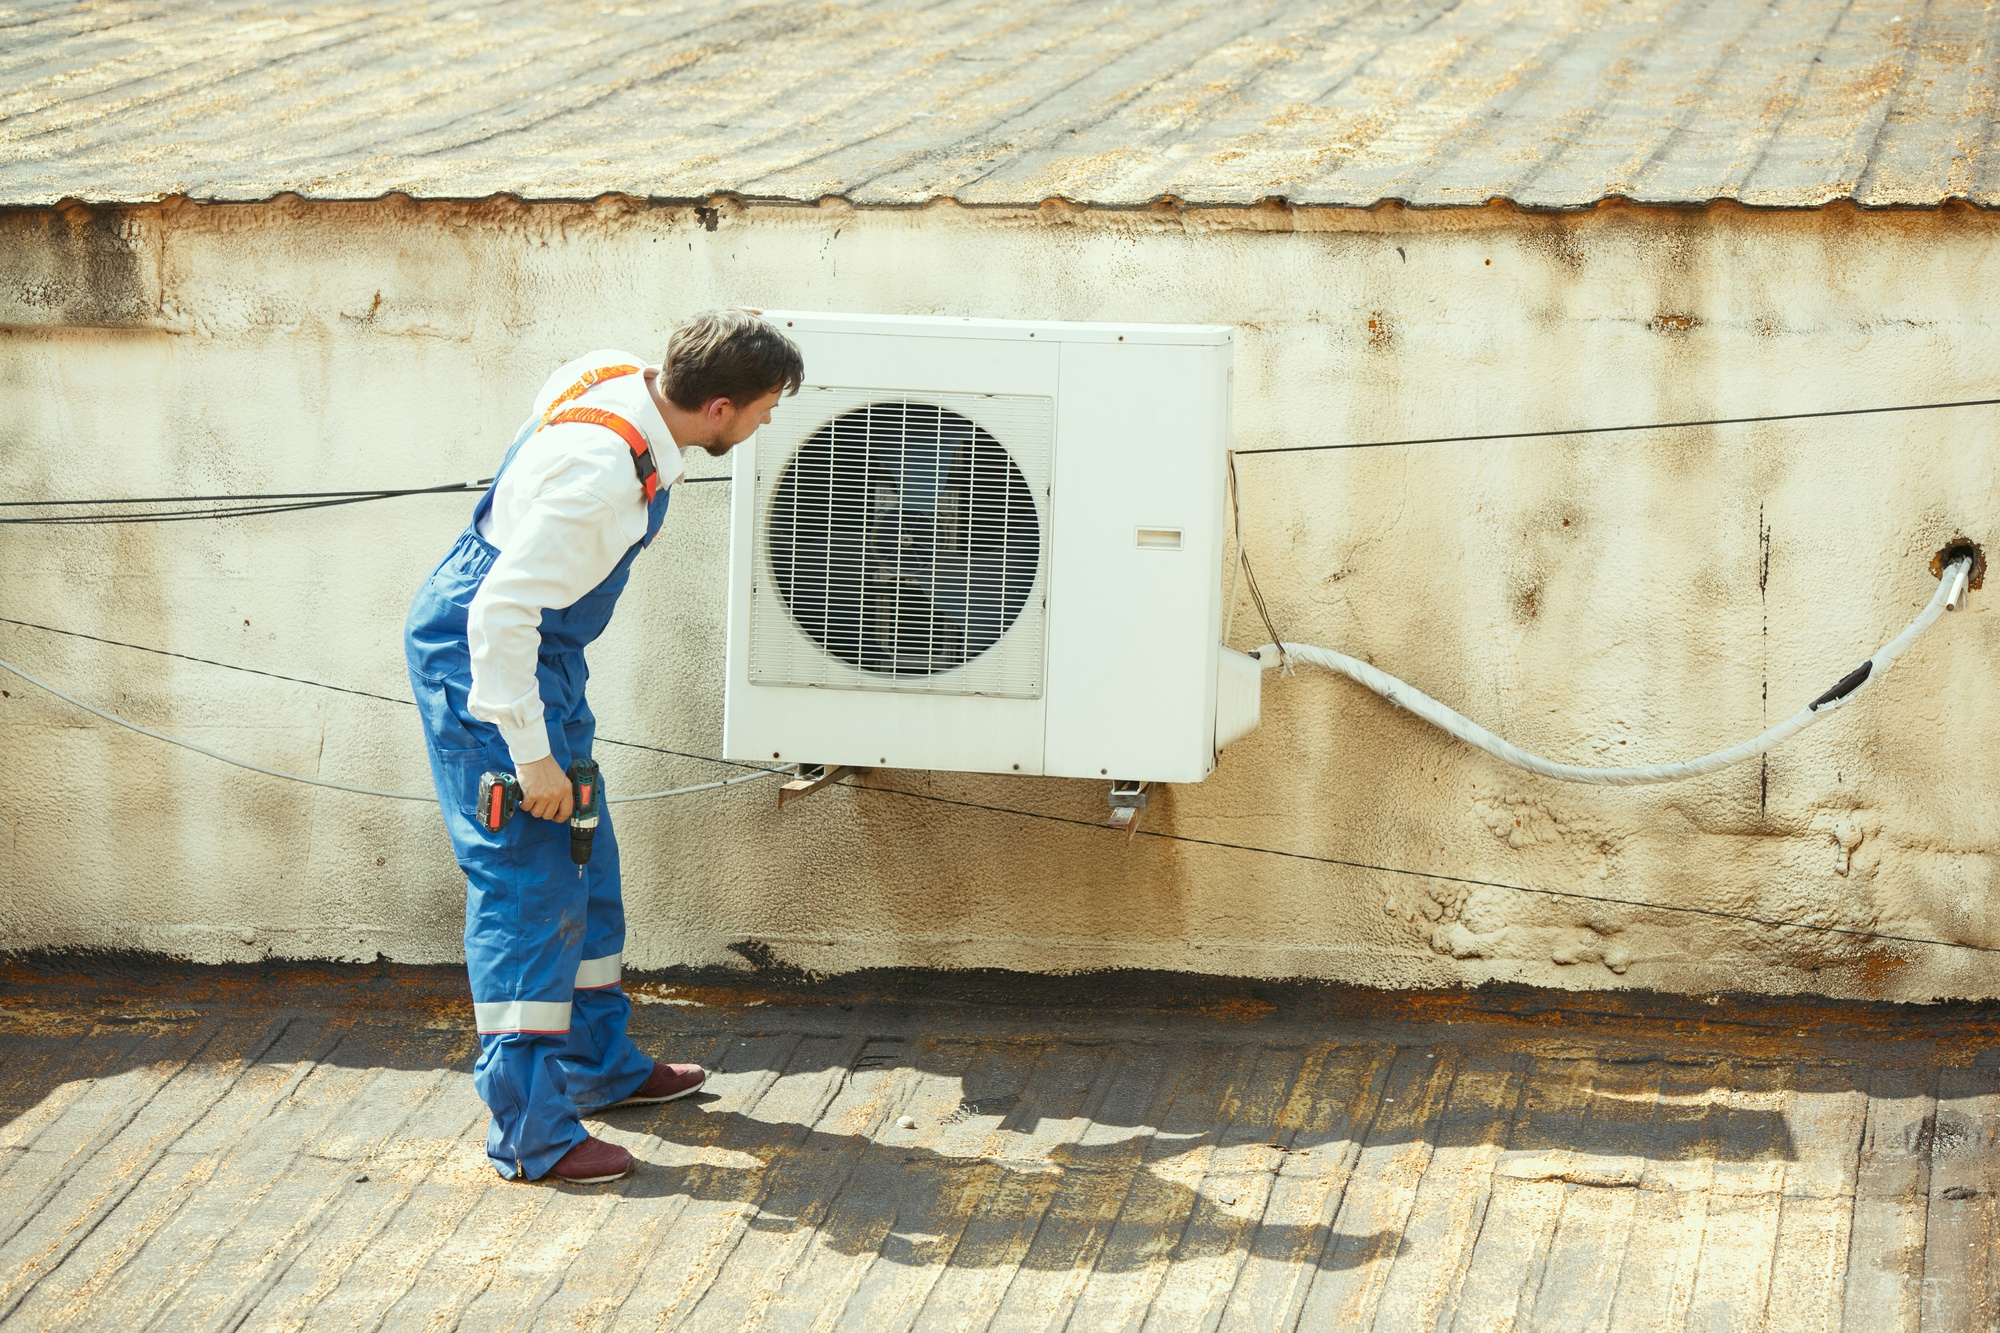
(552, 1041)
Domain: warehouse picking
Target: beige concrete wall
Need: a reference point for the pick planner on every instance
(1610, 599)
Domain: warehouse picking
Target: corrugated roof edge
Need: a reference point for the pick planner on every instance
(1157, 204)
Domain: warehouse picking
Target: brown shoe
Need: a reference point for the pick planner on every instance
(592, 1162)
(666, 1083)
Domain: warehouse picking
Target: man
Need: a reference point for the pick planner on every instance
(495, 645)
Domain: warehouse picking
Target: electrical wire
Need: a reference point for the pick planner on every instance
(1250, 574)
(1242, 564)
(208, 661)
(175, 516)
(250, 497)
(251, 504)
(1613, 430)
(1236, 564)
(240, 506)
(204, 750)
(1950, 595)
(700, 786)
(343, 689)
(1033, 814)
(1606, 899)
(222, 506)
(997, 809)
(342, 786)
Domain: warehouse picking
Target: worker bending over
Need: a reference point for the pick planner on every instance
(495, 644)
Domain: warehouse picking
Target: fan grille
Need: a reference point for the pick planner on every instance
(900, 543)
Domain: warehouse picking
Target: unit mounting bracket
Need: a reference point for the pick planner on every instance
(1127, 799)
(812, 777)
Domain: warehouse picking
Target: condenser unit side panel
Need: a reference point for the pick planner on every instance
(1135, 586)
(1219, 507)
(738, 709)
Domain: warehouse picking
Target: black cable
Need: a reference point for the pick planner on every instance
(174, 516)
(684, 754)
(232, 511)
(1086, 823)
(305, 499)
(1427, 874)
(1243, 559)
(343, 689)
(207, 661)
(1607, 430)
(363, 497)
(248, 497)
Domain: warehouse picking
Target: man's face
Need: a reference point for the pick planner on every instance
(728, 424)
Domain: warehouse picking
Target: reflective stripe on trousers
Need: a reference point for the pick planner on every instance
(597, 973)
(546, 1015)
(539, 1016)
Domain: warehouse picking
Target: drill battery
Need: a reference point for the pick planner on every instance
(499, 795)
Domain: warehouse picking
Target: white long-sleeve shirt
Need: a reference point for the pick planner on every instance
(564, 513)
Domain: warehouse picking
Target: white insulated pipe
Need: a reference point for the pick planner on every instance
(1950, 596)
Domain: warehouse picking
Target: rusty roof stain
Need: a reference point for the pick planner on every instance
(1544, 103)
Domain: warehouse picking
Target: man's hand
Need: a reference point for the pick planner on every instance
(545, 790)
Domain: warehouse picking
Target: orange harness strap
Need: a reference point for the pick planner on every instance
(642, 453)
(590, 381)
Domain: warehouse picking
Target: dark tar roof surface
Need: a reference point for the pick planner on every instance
(1547, 103)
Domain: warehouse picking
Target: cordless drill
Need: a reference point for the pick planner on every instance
(587, 789)
(500, 796)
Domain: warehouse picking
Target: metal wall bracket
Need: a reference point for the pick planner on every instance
(811, 778)
(1127, 799)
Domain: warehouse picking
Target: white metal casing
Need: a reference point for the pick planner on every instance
(1136, 431)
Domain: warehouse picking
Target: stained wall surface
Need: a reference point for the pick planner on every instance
(1608, 599)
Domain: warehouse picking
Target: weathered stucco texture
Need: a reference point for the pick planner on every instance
(1609, 599)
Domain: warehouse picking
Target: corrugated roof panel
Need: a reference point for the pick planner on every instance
(1682, 91)
(1756, 74)
(1948, 86)
(1821, 145)
(1557, 105)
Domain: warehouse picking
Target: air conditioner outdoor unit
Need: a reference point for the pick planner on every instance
(990, 546)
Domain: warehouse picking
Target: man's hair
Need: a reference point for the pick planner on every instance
(728, 354)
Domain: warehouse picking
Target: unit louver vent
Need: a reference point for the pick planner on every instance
(901, 543)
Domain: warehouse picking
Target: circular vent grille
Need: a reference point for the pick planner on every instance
(903, 539)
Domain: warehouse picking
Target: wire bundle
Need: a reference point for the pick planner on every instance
(181, 508)
(1954, 578)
